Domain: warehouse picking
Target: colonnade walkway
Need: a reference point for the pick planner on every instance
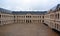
(26, 30)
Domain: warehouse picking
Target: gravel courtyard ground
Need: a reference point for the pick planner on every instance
(26, 30)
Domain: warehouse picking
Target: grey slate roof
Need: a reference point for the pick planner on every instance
(29, 12)
(21, 12)
(5, 11)
(55, 8)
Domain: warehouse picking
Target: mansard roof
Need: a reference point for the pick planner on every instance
(56, 8)
(29, 12)
(5, 11)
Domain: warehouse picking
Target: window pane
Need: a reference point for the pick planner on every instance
(0, 16)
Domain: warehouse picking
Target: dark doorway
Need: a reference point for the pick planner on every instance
(28, 21)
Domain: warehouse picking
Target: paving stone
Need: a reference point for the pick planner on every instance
(26, 30)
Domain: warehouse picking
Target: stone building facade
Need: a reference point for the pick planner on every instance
(26, 17)
(29, 17)
(50, 18)
(6, 18)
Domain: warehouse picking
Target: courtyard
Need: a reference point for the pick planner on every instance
(26, 30)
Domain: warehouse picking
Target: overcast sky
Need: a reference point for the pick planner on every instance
(23, 5)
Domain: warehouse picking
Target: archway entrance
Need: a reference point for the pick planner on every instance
(28, 21)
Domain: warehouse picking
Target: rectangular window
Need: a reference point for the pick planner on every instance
(14, 16)
(40, 20)
(30, 16)
(43, 21)
(30, 21)
(0, 22)
(26, 16)
(0, 16)
(43, 16)
(40, 16)
(57, 26)
(59, 8)
(58, 15)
